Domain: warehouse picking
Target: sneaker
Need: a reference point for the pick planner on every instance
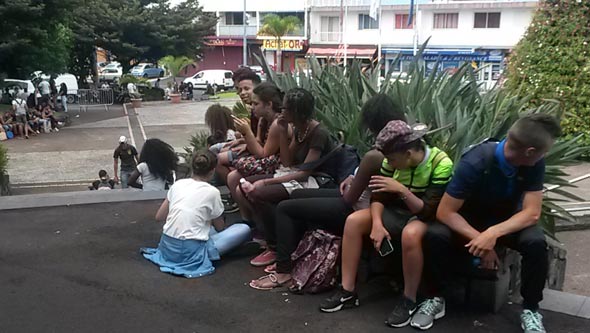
(428, 311)
(229, 206)
(56, 129)
(402, 313)
(264, 259)
(531, 322)
(341, 299)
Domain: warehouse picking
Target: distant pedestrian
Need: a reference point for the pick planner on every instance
(128, 155)
(19, 106)
(132, 90)
(63, 95)
(45, 90)
(157, 84)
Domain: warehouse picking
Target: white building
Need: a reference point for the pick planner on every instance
(225, 51)
(480, 32)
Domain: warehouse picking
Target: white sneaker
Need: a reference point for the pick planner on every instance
(531, 322)
(428, 311)
(56, 129)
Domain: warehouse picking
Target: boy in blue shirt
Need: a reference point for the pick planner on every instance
(495, 197)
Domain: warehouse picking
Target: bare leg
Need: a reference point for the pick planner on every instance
(233, 180)
(412, 257)
(223, 166)
(358, 225)
(245, 205)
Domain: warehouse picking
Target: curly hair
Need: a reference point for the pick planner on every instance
(219, 120)
(245, 73)
(378, 111)
(300, 102)
(159, 157)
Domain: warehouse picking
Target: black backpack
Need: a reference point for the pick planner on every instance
(339, 163)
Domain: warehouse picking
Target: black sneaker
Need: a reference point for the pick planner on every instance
(229, 206)
(402, 313)
(341, 299)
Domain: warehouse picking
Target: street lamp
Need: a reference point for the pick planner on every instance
(244, 39)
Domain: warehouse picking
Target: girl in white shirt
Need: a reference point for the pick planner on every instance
(157, 162)
(188, 243)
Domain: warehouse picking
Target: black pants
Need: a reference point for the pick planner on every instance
(440, 242)
(307, 210)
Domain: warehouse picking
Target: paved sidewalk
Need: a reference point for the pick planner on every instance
(78, 269)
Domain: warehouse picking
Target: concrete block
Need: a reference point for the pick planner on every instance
(585, 309)
(562, 302)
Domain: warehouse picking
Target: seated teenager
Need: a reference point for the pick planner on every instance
(223, 133)
(103, 183)
(326, 208)
(188, 243)
(157, 163)
(245, 80)
(405, 197)
(495, 198)
(310, 141)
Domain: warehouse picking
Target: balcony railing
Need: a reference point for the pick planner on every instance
(236, 30)
(326, 36)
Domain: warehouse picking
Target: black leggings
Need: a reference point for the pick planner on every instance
(440, 242)
(306, 210)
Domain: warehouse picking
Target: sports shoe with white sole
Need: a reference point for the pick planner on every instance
(428, 311)
(341, 299)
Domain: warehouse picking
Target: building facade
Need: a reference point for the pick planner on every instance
(458, 31)
(225, 48)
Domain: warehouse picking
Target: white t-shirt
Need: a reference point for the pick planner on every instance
(131, 88)
(150, 181)
(21, 106)
(44, 87)
(193, 204)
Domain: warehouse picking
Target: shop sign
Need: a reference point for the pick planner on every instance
(224, 42)
(286, 45)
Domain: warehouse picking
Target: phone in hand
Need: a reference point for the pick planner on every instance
(386, 247)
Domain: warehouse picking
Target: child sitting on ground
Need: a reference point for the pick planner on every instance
(103, 183)
(188, 243)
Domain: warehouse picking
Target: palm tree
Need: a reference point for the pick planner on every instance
(278, 27)
(174, 65)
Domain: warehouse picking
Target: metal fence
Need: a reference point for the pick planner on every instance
(95, 97)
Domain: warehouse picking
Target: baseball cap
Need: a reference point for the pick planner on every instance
(122, 139)
(397, 133)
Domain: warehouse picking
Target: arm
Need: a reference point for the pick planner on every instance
(133, 180)
(369, 166)
(162, 211)
(378, 231)
(115, 168)
(448, 214)
(218, 223)
(286, 146)
(312, 155)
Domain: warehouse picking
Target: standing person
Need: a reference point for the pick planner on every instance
(132, 90)
(328, 208)
(63, 96)
(494, 198)
(128, 155)
(45, 90)
(189, 91)
(188, 243)
(157, 163)
(19, 106)
(157, 84)
(53, 88)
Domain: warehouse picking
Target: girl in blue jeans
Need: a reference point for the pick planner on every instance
(188, 243)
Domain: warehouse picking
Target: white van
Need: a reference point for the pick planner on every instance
(217, 78)
(68, 79)
(25, 86)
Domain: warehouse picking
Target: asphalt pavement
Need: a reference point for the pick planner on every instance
(78, 269)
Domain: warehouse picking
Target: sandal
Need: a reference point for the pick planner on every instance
(272, 278)
(271, 269)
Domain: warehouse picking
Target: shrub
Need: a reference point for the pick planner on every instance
(3, 159)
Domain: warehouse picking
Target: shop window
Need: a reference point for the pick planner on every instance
(446, 21)
(366, 22)
(486, 20)
(234, 18)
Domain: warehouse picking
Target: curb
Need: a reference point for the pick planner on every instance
(562, 302)
(77, 198)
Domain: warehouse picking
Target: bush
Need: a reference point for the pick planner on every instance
(151, 94)
(454, 107)
(3, 160)
(552, 60)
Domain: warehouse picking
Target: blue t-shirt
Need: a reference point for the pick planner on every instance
(491, 187)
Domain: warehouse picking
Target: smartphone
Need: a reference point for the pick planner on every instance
(386, 247)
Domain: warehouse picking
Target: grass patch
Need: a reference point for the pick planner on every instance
(227, 94)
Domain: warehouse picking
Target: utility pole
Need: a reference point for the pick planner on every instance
(244, 39)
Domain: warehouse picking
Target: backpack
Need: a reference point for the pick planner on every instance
(315, 262)
(339, 163)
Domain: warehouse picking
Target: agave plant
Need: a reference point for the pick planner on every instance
(458, 112)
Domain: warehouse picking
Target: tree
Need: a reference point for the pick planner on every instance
(36, 35)
(175, 65)
(552, 61)
(278, 27)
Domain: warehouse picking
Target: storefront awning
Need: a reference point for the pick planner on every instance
(324, 52)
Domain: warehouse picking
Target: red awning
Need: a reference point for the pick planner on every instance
(351, 52)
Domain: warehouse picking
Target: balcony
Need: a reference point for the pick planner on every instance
(327, 36)
(236, 30)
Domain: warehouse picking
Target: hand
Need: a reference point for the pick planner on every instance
(385, 184)
(237, 142)
(378, 233)
(482, 244)
(239, 149)
(345, 185)
(243, 126)
(490, 260)
(282, 122)
(116, 180)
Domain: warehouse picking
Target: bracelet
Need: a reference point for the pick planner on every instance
(403, 197)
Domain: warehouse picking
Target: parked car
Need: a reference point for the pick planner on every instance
(112, 65)
(217, 78)
(15, 85)
(147, 70)
(259, 71)
(111, 74)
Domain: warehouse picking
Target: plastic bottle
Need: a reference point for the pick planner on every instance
(476, 261)
(246, 185)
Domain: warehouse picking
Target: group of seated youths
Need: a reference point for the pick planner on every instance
(28, 116)
(405, 192)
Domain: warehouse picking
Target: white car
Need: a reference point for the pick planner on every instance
(217, 78)
(111, 74)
